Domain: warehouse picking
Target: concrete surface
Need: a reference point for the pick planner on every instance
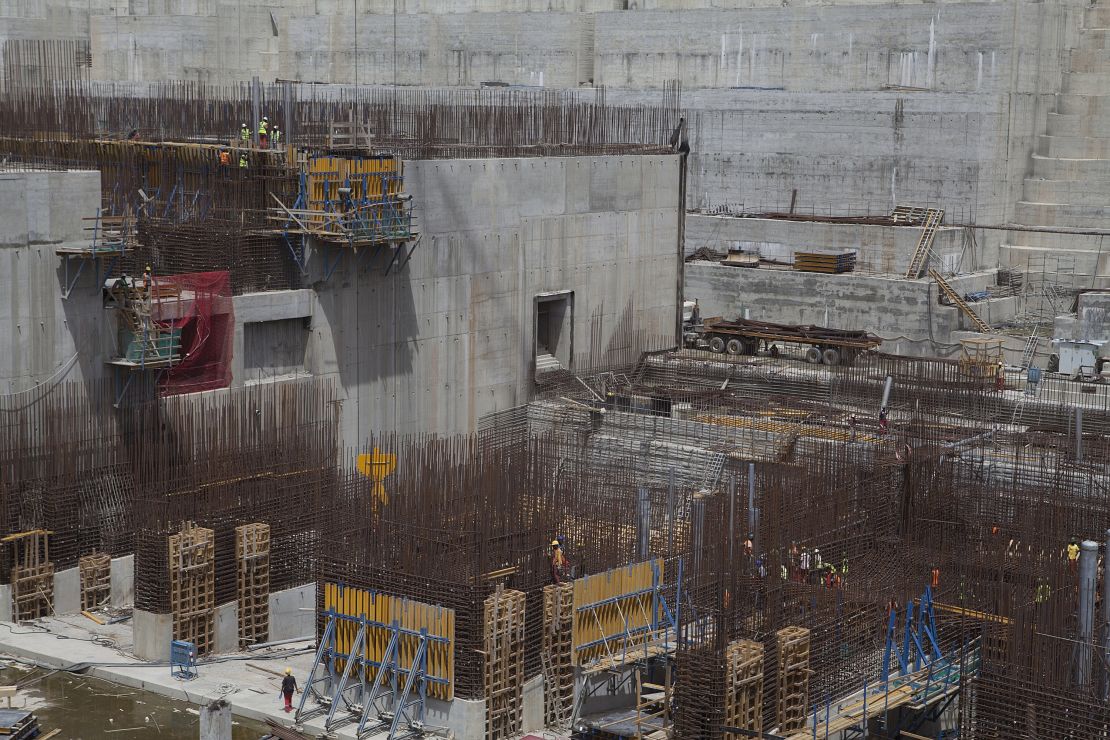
(253, 693)
(450, 338)
(5, 603)
(215, 721)
(67, 591)
(227, 628)
(47, 339)
(292, 612)
(906, 314)
(533, 704)
(123, 581)
(152, 635)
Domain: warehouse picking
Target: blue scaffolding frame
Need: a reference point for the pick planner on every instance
(394, 701)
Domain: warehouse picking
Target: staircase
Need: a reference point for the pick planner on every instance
(1070, 182)
(933, 217)
(546, 363)
(1030, 350)
(980, 325)
(712, 472)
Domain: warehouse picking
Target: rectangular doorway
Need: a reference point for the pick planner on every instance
(553, 330)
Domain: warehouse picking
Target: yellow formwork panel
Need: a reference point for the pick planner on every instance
(381, 610)
(601, 630)
(368, 178)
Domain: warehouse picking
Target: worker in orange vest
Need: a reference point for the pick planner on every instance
(936, 577)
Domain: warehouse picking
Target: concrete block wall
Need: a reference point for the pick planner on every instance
(450, 338)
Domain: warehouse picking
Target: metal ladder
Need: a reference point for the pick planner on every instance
(550, 685)
(1030, 350)
(712, 472)
(933, 217)
(980, 325)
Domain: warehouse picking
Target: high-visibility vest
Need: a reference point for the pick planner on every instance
(245, 134)
(262, 128)
(242, 160)
(277, 135)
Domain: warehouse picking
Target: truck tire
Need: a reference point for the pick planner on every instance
(716, 344)
(813, 355)
(734, 347)
(831, 356)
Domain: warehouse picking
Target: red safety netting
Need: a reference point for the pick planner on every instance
(199, 305)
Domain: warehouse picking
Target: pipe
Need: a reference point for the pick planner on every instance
(887, 387)
(1079, 434)
(1106, 629)
(753, 518)
(1088, 580)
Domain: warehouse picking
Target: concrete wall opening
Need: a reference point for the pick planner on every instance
(553, 330)
(274, 349)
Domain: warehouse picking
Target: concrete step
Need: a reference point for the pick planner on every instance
(1083, 105)
(1073, 192)
(1074, 147)
(1060, 168)
(1097, 17)
(1095, 60)
(1087, 83)
(1073, 124)
(1094, 38)
(1062, 214)
(546, 363)
(1079, 243)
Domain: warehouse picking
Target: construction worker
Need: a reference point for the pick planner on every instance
(783, 574)
(804, 563)
(748, 544)
(761, 566)
(844, 565)
(245, 134)
(275, 136)
(243, 160)
(288, 686)
(935, 579)
(1073, 554)
(884, 425)
(818, 563)
(225, 158)
(560, 566)
(1000, 378)
(264, 132)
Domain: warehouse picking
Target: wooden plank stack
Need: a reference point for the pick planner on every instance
(793, 675)
(96, 580)
(744, 682)
(192, 566)
(558, 620)
(504, 669)
(826, 262)
(252, 554)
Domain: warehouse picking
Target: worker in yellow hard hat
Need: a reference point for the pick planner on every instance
(560, 566)
(288, 686)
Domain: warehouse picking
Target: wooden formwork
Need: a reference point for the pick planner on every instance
(252, 555)
(744, 686)
(96, 580)
(504, 669)
(558, 667)
(614, 613)
(32, 575)
(192, 566)
(793, 673)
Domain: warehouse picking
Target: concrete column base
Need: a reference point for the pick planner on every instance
(152, 634)
(123, 581)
